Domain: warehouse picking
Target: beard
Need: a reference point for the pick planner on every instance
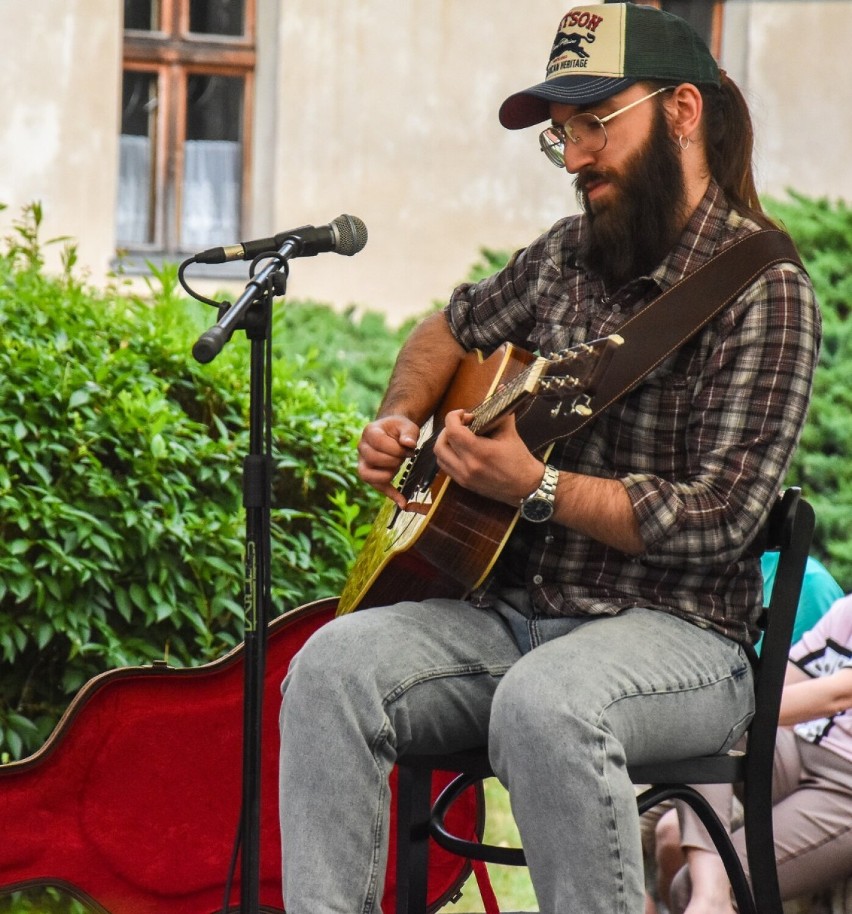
(628, 237)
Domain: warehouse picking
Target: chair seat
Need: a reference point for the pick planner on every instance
(706, 769)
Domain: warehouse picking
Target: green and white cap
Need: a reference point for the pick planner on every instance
(605, 48)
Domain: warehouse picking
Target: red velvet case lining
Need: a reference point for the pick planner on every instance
(134, 801)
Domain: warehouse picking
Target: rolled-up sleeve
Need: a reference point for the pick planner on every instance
(506, 307)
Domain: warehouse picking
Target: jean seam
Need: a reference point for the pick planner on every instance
(613, 823)
(733, 675)
(465, 669)
(679, 689)
(370, 897)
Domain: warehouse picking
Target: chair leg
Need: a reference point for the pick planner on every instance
(745, 899)
(760, 848)
(414, 806)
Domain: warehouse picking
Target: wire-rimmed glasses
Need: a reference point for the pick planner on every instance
(585, 130)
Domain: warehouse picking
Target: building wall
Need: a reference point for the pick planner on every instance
(60, 78)
(791, 57)
(388, 110)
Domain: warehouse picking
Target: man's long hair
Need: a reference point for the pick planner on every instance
(729, 142)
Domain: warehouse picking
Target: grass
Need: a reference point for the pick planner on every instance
(511, 884)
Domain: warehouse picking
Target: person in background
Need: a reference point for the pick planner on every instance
(661, 838)
(819, 592)
(812, 780)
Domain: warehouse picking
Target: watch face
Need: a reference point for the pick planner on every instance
(537, 510)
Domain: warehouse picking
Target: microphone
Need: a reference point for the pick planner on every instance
(345, 235)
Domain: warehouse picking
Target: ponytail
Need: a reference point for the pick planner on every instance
(729, 142)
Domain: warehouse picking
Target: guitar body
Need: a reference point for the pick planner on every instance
(448, 539)
(133, 803)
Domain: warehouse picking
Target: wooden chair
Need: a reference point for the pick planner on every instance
(788, 530)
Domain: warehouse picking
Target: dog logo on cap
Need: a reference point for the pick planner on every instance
(565, 44)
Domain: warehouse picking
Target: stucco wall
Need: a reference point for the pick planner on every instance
(792, 59)
(387, 109)
(60, 77)
(794, 63)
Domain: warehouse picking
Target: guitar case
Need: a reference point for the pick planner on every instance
(133, 803)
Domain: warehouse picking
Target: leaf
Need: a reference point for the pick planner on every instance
(79, 397)
(158, 446)
(123, 604)
(15, 743)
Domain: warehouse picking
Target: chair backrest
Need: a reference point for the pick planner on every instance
(788, 530)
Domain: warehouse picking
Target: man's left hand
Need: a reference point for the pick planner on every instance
(497, 465)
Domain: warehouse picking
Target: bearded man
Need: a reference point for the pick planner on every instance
(616, 625)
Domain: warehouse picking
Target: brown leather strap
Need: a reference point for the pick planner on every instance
(663, 326)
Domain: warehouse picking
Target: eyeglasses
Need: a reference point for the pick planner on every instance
(586, 131)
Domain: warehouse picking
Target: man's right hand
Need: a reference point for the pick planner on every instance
(384, 444)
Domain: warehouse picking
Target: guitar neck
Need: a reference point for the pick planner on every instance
(508, 397)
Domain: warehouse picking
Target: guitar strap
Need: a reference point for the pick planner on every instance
(663, 326)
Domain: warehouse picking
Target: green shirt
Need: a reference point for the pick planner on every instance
(819, 591)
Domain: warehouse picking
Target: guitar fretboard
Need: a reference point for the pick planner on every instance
(506, 397)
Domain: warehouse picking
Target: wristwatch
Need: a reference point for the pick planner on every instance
(538, 507)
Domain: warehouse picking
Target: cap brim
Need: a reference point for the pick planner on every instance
(532, 106)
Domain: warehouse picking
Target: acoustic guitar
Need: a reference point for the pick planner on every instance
(445, 542)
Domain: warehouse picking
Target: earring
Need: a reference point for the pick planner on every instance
(684, 142)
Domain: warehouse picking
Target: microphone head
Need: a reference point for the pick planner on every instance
(350, 234)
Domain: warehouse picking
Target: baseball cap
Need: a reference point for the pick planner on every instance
(603, 49)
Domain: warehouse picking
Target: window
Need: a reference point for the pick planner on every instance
(185, 123)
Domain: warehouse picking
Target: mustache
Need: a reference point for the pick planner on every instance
(588, 176)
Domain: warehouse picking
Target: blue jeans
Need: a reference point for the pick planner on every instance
(562, 703)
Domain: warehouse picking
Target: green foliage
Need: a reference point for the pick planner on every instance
(823, 463)
(490, 261)
(121, 517)
(355, 354)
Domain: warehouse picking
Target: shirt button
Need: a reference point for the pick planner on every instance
(549, 538)
(538, 579)
(616, 308)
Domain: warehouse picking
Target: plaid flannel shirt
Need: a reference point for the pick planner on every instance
(702, 445)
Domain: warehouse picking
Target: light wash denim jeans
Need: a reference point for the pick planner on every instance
(563, 704)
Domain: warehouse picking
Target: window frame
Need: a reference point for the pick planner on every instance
(173, 54)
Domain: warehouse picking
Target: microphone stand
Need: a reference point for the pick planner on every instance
(252, 312)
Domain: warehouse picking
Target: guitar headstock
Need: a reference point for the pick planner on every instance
(578, 369)
(574, 371)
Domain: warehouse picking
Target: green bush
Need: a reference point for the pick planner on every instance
(823, 463)
(121, 517)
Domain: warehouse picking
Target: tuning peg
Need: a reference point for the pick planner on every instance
(581, 407)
